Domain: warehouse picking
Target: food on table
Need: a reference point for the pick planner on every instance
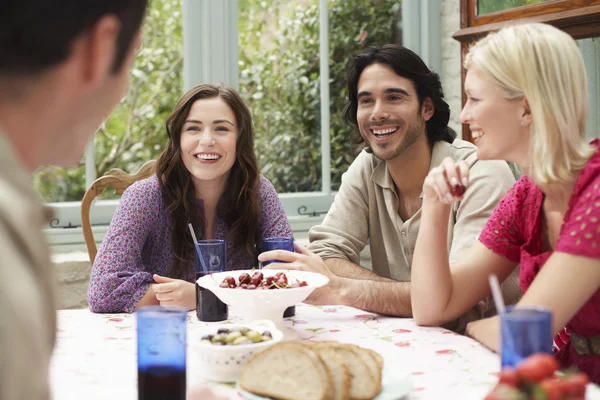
(536, 378)
(236, 336)
(364, 369)
(259, 281)
(288, 370)
(340, 373)
(336, 371)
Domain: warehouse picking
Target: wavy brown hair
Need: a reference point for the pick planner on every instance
(238, 205)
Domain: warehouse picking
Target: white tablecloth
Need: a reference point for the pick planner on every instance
(95, 355)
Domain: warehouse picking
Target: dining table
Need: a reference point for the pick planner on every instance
(95, 354)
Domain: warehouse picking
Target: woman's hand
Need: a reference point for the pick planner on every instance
(486, 331)
(174, 292)
(447, 183)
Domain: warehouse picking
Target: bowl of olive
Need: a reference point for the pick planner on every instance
(224, 349)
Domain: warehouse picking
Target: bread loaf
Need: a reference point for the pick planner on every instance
(288, 371)
(317, 370)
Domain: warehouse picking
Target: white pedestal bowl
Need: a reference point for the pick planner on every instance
(270, 304)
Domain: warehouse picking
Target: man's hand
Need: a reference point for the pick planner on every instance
(174, 292)
(305, 260)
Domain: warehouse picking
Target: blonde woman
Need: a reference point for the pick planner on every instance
(526, 103)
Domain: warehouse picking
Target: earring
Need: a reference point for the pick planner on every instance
(523, 122)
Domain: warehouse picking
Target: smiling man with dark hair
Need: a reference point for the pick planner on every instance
(397, 108)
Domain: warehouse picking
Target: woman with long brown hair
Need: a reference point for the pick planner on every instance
(207, 175)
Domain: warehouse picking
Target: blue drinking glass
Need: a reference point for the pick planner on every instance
(161, 352)
(279, 243)
(524, 331)
(214, 259)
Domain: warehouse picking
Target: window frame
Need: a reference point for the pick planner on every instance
(579, 18)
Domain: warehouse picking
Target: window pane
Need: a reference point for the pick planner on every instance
(134, 132)
(353, 26)
(590, 49)
(56, 184)
(279, 79)
(489, 6)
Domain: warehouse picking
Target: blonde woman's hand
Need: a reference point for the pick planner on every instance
(447, 183)
(174, 292)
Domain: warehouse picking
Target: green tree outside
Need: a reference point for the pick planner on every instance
(490, 6)
(279, 80)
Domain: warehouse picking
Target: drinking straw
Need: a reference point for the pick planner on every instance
(500, 308)
(197, 248)
(496, 294)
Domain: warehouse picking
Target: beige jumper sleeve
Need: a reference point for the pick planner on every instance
(345, 229)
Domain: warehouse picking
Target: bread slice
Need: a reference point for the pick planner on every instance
(364, 384)
(288, 371)
(376, 356)
(372, 362)
(339, 372)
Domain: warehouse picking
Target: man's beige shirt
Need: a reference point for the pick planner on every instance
(27, 307)
(366, 209)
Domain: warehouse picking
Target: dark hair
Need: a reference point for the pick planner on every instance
(238, 206)
(38, 34)
(407, 65)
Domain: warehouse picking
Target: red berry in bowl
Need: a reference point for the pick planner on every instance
(244, 278)
(230, 280)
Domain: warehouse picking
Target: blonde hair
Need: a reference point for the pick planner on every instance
(544, 65)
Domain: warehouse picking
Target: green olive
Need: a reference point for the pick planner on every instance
(232, 336)
(241, 340)
(218, 338)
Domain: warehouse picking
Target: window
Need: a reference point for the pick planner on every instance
(281, 80)
(590, 49)
(134, 132)
(297, 96)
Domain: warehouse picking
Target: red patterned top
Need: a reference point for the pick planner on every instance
(515, 231)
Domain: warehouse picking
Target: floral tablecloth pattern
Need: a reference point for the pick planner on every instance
(95, 355)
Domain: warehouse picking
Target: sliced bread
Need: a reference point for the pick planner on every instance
(288, 371)
(372, 362)
(364, 384)
(339, 372)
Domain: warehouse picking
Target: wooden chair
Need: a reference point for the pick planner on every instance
(118, 179)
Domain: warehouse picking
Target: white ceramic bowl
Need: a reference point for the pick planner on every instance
(225, 363)
(253, 305)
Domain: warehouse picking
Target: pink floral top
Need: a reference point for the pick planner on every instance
(515, 231)
(138, 245)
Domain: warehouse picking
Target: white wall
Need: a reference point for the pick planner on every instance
(450, 74)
